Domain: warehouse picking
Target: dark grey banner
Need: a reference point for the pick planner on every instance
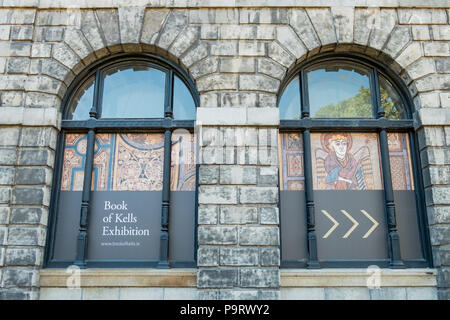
(408, 225)
(126, 225)
(67, 225)
(182, 226)
(293, 227)
(350, 225)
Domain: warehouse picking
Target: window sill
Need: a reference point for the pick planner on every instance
(350, 277)
(321, 278)
(121, 278)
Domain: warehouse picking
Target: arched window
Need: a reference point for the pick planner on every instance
(350, 185)
(125, 173)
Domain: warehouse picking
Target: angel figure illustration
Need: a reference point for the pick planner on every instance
(338, 168)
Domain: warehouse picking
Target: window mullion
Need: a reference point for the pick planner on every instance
(393, 237)
(165, 206)
(168, 107)
(310, 214)
(82, 239)
(309, 196)
(376, 95)
(95, 111)
(389, 204)
(304, 95)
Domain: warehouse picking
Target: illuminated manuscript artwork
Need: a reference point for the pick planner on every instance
(129, 162)
(291, 164)
(73, 162)
(103, 153)
(345, 161)
(400, 161)
(182, 162)
(139, 160)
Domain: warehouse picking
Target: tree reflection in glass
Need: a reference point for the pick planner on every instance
(339, 92)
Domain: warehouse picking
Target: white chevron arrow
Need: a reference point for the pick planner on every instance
(335, 224)
(375, 223)
(355, 223)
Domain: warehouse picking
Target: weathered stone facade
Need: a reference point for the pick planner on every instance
(237, 55)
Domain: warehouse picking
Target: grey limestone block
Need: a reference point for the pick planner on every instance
(217, 278)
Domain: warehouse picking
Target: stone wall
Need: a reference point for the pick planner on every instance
(238, 57)
(238, 234)
(295, 284)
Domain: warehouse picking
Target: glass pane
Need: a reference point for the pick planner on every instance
(126, 203)
(404, 195)
(69, 202)
(183, 161)
(339, 91)
(131, 162)
(182, 197)
(73, 163)
(400, 161)
(292, 200)
(290, 101)
(138, 162)
(346, 161)
(82, 101)
(291, 164)
(391, 101)
(348, 196)
(183, 103)
(136, 92)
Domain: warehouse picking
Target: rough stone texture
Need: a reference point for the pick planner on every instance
(247, 248)
(150, 293)
(109, 23)
(300, 22)
(238, 215)
(287, 37)
(238, 58)
(385, 21)
(175, 23)
(217, 278)
(343, 20)
(323, 23)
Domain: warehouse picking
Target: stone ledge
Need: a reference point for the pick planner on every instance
(357, 278)
(289, 278)
(122, 278)
(39, 117)
(226, 3)
(238, 116)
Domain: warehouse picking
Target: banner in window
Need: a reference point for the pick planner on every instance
(294, 250)
(404, 196)
(126, 196)
(349, 199)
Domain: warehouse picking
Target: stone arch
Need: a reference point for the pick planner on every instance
(371, 32)
(100, 33)
(80, 69)
(391, 67)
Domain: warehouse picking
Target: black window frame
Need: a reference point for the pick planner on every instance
(94, 125)
(380, 125)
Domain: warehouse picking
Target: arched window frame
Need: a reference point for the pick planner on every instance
(95, 124)
(378, 124)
